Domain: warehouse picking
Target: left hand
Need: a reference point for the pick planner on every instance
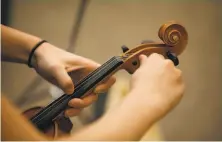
(55, 65)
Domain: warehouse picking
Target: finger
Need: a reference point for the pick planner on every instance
(179, 75)
(156, 56)
(84, 102)
(142, 58)
(64, 80)
(91, 98)
(72, 112)
(104, 86)
(170, 64)
(76, 103)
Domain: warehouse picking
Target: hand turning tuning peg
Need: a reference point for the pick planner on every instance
(173, 58)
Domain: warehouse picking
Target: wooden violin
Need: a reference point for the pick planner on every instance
(50, 119)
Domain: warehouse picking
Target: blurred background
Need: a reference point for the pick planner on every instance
(96, 29)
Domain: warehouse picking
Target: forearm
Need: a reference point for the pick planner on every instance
(14, 126)
(127, 122)
(16, 45)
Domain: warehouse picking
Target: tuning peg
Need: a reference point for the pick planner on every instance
(173, 57)
(147, 41)
(124, 48)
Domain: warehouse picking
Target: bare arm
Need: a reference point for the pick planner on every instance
(14, 126)
(129, 122)
(111, 127)
(51, 63)
(16, 45)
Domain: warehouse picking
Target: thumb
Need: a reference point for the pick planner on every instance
(64, 81)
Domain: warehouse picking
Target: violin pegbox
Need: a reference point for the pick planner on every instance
(174, 37)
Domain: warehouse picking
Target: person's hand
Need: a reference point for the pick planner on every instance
(157, 84)
(57, 65)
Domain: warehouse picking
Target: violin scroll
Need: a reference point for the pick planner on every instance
(174, 35)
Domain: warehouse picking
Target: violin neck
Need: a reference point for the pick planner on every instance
(45, 117)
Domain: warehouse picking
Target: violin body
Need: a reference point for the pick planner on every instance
(50, 120)
(59, 127)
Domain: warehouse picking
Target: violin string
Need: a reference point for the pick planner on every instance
(57, 101)
(106, 66)
(101, 72)
(93, 72)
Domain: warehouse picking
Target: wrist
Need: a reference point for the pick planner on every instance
(28, 43)
(32, 60)
(144, 104)
(134, 117)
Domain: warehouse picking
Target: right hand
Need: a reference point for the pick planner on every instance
(157, 84)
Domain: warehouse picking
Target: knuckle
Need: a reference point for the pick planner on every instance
(156, 55)
(152, 56)
(169, 63)
(68, 83)
(181, 90)
(179, 73)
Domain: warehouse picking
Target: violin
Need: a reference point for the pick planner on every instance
(50, 119)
